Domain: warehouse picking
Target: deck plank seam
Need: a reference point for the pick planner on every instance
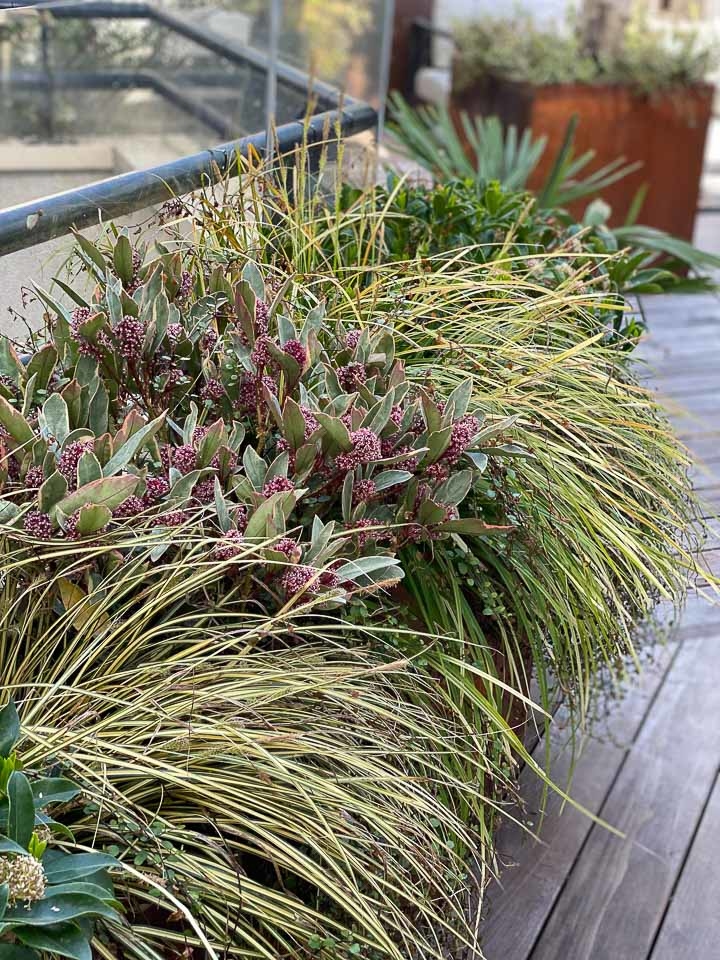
(627, 749)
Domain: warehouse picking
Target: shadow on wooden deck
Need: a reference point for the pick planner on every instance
(651, 768)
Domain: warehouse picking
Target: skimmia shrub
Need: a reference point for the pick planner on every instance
(246, 417)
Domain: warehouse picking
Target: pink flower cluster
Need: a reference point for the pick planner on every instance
(70, 458)
(351, 376)
(230, 545)
(277, 485)
(38, 525)
(464, 431)
(366, 448)
(184, 458)
(295, 349)
(308, 579)
(130, 334)
(87, 348)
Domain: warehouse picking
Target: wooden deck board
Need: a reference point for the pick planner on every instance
(582, 893)
(691, 927)
(543, 864)
(615, 896)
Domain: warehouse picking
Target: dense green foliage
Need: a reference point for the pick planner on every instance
(429, 135)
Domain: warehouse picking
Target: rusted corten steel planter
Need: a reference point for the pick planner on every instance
(664, 131)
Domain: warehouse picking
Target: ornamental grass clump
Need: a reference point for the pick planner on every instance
(590, 476)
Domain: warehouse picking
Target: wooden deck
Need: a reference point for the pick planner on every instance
(651, 767)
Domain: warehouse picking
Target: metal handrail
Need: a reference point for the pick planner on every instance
(238, 53)
(45, 219)
(31, 223)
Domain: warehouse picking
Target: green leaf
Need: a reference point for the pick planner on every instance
(14, 422)
(98, 410)
(67, 867)
(263, 522)
(57, 910)
(9, 511)
(91, 252)
(28, 396)
(190, 424)
(123, 259)
(73, 294)
(336, 430)
(63, 939)
(41, 366)
(182, 486)
(377, 418)
(305, 460)
(438, 443)
(221, 507)
(370, 570)
(9, 846)
(21, 809)
(510, 450)
(89, 887)
(127, 451)
(108, 491)
(10, 364)
(56, 417)
(53, 790)
(493, 429)
(433, 417)
(479, 460)
(52, 491)
(4, 895)
(347, 495)
(161, 319)
(252, 276)
(9, 728)
(9, 951)
(93, 517)
(390, 478)
(457, 403)
(210, 443)
(88, 468)
(293, 424)
(57, 308)
(454, 490)
(255, 467)
(430, 513)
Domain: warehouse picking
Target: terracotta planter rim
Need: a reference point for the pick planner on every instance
(702, 89)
